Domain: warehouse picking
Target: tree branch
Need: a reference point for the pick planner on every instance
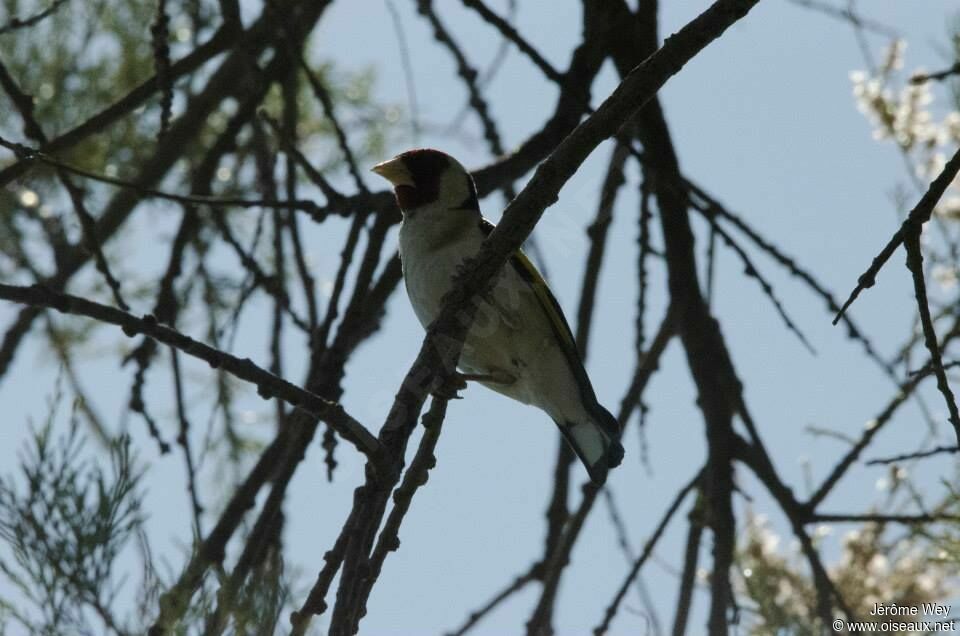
(919, 215)
(268, 385)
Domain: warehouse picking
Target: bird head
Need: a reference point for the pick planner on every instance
(426, 177)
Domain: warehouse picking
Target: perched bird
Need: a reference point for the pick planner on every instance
(519, 344)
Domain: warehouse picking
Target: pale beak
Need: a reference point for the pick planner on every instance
(395, 171)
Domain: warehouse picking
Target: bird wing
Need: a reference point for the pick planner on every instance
(528, 272)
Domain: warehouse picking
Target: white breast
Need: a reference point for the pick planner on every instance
(433, 245)
(510, 332)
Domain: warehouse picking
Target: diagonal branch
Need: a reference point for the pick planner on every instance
(29, 155)
(24, 105)
(444, 341)
(268, 385)
(511, 34)
(217, 44)
(911, 244)
(611, 611)
(751, 271)
(25, 23)
(710, 206)
(919, 215)
(467, 73)
(522, 214)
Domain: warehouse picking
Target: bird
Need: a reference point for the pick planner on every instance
(519, 344)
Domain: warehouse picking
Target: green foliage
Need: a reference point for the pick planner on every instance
(82, 57)
(260, 605)
(65, 522)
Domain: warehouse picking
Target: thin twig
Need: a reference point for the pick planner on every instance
(268, 385)
(611, 610)
(919, 215)
(415, 477)
(751, 271)
(847, 15)
(510, 33)
(939, 76)
(90, 242)
(218, 43)
(620, 528)
(24, 23)
(27, 154)
(407, 65)
(328, 109)
(879, 518)
(911, 243)
(160, 35)
(521, 581)
(468, 74)
(939, 450)
(688, 576)
(183, 440)
(708, 205)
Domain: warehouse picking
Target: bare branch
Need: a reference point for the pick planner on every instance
(939, 450)
(515, 586)
(939, 76)
(510, 33)
(268, 385)
(24, 23)
(919, 215)
(847, 15)
(611, 610)
(25, 153)
(879, 518)
(911, 243)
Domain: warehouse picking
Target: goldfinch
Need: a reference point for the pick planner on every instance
(519, 344)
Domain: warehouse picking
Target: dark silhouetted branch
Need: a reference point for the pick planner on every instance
(939, 76)
(510, 33)
(939, 450)
(16, 24)
(28, 154)
(688, 575)
(750, 270)
(880, 518)
(160, 35)
(515, 586)
(919, 215)
(268, 385)
(709, 205)
(911, 243)
(467, 73)
(611, 610)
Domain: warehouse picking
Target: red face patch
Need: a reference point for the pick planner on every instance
(407, 197)
(426, 167)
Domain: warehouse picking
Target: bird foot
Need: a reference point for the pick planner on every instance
(458, 382)
(495, 377)
(451, 387)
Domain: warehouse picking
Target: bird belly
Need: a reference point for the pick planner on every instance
(500, 353)
(428, 277)
(511, 335)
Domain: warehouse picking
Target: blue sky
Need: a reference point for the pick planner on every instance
(763, 119)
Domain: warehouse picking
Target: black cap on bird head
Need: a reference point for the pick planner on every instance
(424, 176)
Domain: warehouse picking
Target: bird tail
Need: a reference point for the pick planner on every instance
(596, 441)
